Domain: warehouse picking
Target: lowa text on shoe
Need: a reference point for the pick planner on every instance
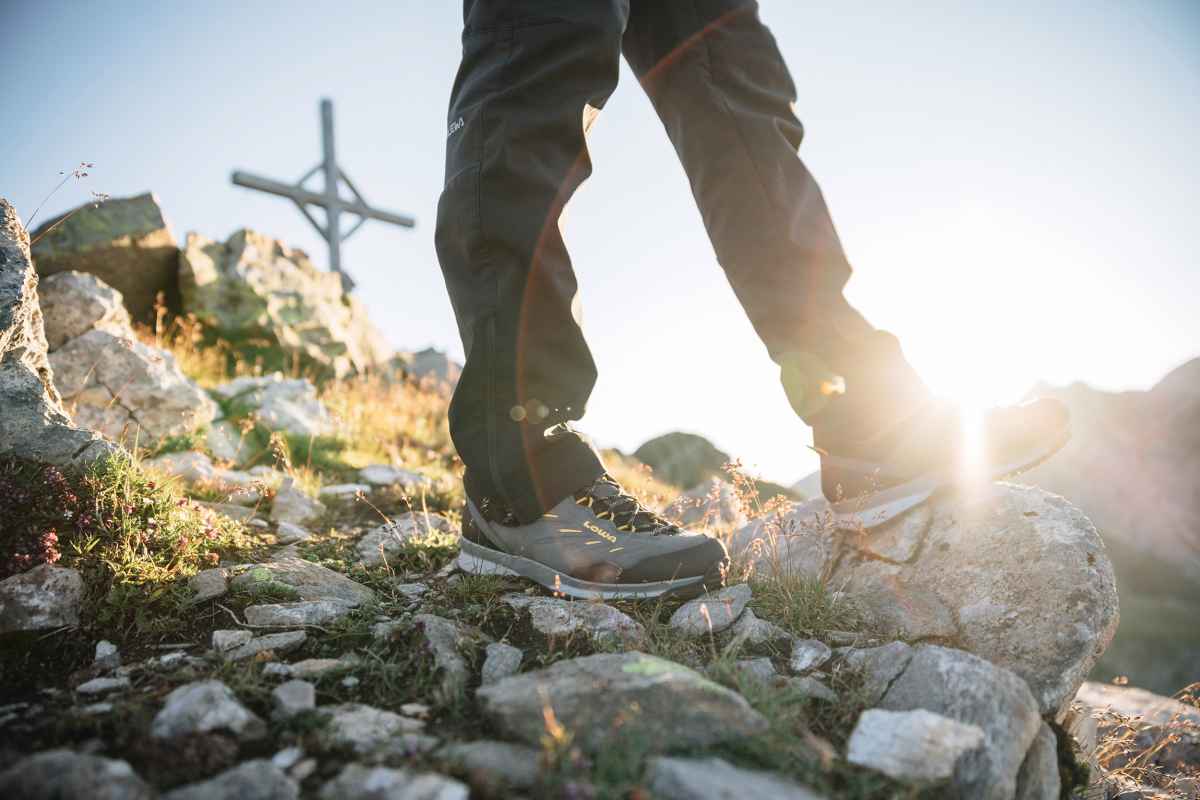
(599, 544)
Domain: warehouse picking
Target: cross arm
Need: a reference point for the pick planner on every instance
(304, 196)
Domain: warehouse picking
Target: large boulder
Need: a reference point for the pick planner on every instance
(1164, 728)
(125, 242)
(1011, 573)
(278, 404)
(254, 288)
(34, 425)
(603, 698)
(74, 303)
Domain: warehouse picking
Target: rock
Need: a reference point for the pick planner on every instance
(384, 783)
(278, 643)
(252, 780)
(752, 630)
(107, 656)
(290, 406)
(292, 697)
(620, 694)
(74, 303)
(365, 728)
(809, 686)
(228, 442)
(124, 242)
(412, 591)
(1039, 778)
(968, 689)
(208, 584)
(385, 475)
(879, 666)
(1175, 726)
(756, 669)
(309, 581)
(197, 468)
(64, 775)
(500, 661)
(445, 640)
(711, 502)
(287, 533)
(34, 425)
(99, 686)
(294, 506)
(205, 706)
(808, 654)
(717, 779)
(502, 765)
(228, 640)
(911, 746)
(1010, 573)
(342, 492)
(602, 624)
(388, 541)
(712, 613)
(800, 538)
(256, 288)
(313, 668)
(683, 459)
(432, 364)
(290, 615)
(44, 597)
(128, 390)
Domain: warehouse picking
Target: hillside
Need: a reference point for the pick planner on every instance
(228, 568)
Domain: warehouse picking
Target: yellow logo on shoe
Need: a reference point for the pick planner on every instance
(596, 529)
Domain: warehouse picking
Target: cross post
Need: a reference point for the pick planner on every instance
(329, 198)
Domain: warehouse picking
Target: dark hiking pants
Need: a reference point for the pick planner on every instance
(533, 75)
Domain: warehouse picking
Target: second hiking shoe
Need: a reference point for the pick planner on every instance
(599, 544)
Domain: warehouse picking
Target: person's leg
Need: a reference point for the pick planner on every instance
(725, 96)
(533, 73)
(719, 84)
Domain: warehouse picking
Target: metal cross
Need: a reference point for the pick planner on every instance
(330, 198)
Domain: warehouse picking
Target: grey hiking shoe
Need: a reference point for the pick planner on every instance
(872, 480)
(599, 544)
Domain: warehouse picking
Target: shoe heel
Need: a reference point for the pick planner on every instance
(479, 566)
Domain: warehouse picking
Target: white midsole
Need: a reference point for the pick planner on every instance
(477, 560)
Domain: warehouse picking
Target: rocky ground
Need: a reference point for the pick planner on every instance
(247, 589)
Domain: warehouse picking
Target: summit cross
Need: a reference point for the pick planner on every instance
(329, 198)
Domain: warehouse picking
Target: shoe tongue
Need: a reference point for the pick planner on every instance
(604, 488)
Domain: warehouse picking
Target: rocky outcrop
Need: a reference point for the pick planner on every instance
(596, 698)
(124, 242)
(684, 459)
(34, 424)
(254, 288)
(429, 364)
(1013, 574)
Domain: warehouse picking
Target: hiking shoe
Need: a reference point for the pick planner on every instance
(601, 543)
(873, 480)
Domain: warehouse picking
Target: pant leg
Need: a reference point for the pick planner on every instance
(533, 73)
(719, 83)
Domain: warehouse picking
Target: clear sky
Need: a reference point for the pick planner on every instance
(1016, 184)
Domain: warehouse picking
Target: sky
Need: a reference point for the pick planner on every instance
(1015, 184)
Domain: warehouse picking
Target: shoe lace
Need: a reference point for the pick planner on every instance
(623, 509)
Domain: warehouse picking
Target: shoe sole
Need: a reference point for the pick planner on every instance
(881, 507)
(476, 559)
